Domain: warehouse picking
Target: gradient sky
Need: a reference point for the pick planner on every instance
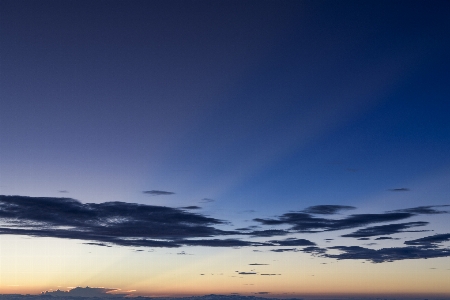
(162, 147)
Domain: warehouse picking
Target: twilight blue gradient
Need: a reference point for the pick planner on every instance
(258, 105)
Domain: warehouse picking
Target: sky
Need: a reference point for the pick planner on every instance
(179, 148)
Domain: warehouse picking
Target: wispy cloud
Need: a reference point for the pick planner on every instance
(206, 200)
(399, 190)
(327, 209)
(158, 193)
(386, 229)
(292, 242)
(304, 222)
(423, 210)
(386, 254)
(191, 207)
(430, 241)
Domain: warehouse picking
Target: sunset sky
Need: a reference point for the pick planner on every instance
(271, 148)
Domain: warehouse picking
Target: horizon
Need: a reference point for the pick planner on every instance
(276, 149)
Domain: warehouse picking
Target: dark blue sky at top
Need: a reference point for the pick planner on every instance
(286, 99)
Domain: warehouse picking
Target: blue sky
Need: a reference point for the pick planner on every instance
(249, 110)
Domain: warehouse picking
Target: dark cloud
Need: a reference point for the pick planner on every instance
(292, 242)
(247, 273)
(316, 251)
(191, 207)
(423, 210)
(384, 238)
(158, 193)
(303, 222)
(220, 243)
(84, 292)
(285, 250)
(256, 264)
(119, 223)
(385, 229)
(63, 191)
(97, 244)
(430, 241)
(386, 254)
(363, 239)
(262, 293)
(326, 209)
(268, 233)
(399, 190)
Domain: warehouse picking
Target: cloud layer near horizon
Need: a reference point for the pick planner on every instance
(131, 224)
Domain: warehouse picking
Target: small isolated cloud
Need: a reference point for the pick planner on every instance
(256, 264)
(84, 292)
(206, 200)
(399, 190)
(158, 193)
(97, 244)
(384, 238)
(247, 273)
(191, 207)
(262, 293)
(63, 191)
(386, 229)
(265, 274)
(327, 209)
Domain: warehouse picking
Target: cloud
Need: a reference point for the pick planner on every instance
(386, 254)
(292, 242)
(191, 207)
(423, 210)
(247, 273)
(256, 264)
(119, 223)
(326, 209)
(262, 293)
(303, 222)
(220, 243)
(206, 200)
(158, 193)
(285, 250)
(63, 191)
(97, 244)
(430, 241)
(270, 274)
(386, 229)
(268, 233)
(139, 225)
(384, 238)
(316, 251)
(84, 292)
(399, 190)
